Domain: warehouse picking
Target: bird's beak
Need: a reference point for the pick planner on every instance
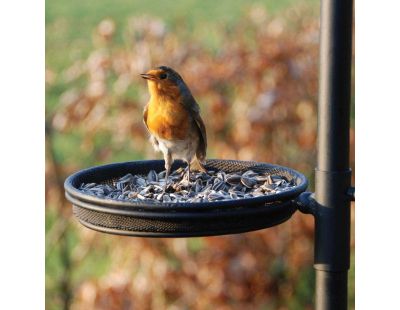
(148, 76)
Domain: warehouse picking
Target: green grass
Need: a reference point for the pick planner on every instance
(69, 24)
(81, 15)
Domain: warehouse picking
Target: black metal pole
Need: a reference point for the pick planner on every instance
(333, 176)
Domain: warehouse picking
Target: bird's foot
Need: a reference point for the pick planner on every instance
(185, 182)
(186, 178)
(165, 186)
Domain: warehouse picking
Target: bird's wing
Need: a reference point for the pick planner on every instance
(145, 115)
(202, 148)
(153, 139)
(194, 110)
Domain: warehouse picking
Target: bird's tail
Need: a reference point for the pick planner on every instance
(197, 165)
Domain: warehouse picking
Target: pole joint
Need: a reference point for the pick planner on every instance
(306, 203)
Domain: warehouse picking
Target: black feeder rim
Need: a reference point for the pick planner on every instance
(153, 219)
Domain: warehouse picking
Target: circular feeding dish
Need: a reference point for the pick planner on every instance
(152, 218)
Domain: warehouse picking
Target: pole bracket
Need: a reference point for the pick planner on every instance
(306, 203)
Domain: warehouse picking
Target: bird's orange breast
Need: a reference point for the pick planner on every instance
(167, 118)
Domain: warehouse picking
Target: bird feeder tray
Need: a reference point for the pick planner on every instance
(149, 218)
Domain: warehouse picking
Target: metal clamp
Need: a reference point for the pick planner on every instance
(306, 203)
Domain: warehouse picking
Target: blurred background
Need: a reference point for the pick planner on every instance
(253, 68)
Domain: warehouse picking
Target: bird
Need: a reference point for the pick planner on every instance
(172, 117)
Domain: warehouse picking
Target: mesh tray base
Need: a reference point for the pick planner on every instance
(152, 219)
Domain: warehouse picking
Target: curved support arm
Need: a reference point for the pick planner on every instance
(307, 204)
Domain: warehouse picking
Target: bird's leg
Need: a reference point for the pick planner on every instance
(186, 176)
(188, 171)
(168, 164)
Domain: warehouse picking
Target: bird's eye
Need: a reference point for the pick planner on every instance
(163, 76)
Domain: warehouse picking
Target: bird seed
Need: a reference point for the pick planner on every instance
(202, 187)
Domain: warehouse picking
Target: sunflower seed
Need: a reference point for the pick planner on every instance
(221, 175)
(233, 179)
(207, 188)
(204, 176)
(262, 178)
(215, 196)
(202, 187)
(89, 185)
(166, 198)
(152, 176)
(157, 188)
(126, 178)
(141, 182)
(233, 195)
(248, 181)
(198, 186)
(249, 174)
(97, 190)
(218, 184)
(239, 194)
(257, 194)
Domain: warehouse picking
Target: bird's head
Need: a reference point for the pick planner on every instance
(164, 81)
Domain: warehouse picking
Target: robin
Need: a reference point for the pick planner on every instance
(172, 117)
